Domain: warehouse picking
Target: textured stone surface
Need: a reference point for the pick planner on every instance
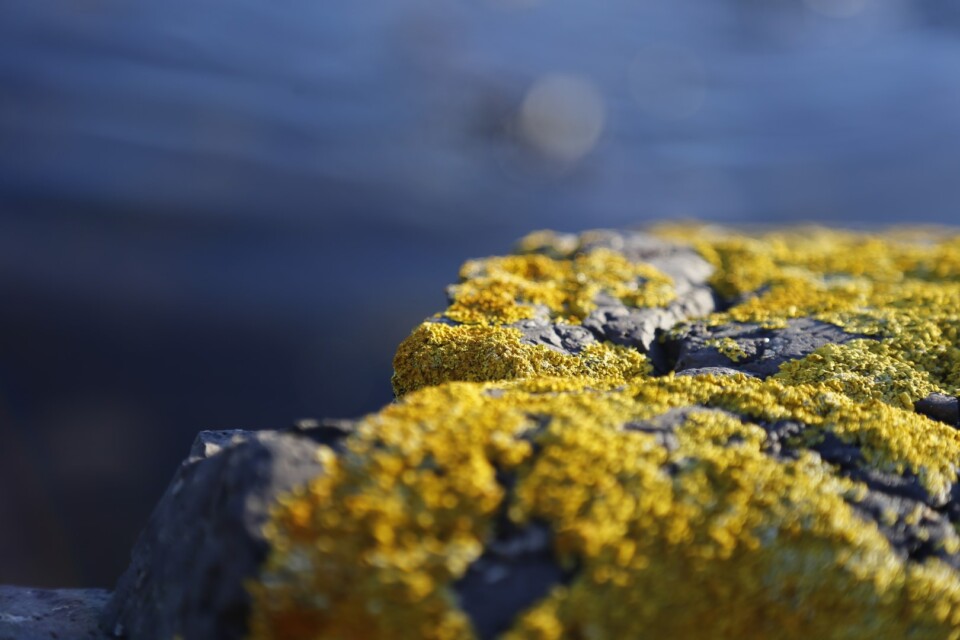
(204, 538)
(563, 338)
(640, 328)
(60, 614)
(583, 298)
(585, 445)
(751, 348)
(940, 407)
(517, 568)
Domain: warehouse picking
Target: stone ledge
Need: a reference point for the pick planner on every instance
(613, 434)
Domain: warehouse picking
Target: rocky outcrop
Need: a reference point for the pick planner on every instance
(600, 431)
(205, 538)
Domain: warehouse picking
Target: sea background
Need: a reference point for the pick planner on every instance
(221, 215)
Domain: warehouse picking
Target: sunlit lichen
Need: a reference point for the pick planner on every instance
(770, 542)
(901, 287)
(505, 289)
(729, 348)
(437, 352)
(712, 536)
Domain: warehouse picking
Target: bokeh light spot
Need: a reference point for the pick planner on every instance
(562, 116)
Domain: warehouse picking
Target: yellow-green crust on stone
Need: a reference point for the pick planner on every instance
(436, 352)
(501, 290)
(474, 345)
(717, 535)
(728, 347)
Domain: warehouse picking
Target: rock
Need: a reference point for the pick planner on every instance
(64, 614)
(683, 264)
(752, 349)
(940, 407)
(915, 530)
(517, 568)
(640, 328)
(619, 308)
(563, 338)
(537, 477)
(204, 539)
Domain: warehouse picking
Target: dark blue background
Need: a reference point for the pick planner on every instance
(227, 214)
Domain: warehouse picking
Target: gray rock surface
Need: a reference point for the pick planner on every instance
(640, 328)
(764, 350)
(681, 263)
(204, 537)
(612, 320)
(940, 407)
(516, 569)
(565, 338)
(63, 614)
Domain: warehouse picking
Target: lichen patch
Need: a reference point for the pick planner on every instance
(813, 501)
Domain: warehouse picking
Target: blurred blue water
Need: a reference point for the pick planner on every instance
(219, 215)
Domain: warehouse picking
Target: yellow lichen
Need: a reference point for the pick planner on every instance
(862, 370)
(729, 348)
(901, 288)
(710, 537)
(741, 543)
(437, 352)
(505, 289)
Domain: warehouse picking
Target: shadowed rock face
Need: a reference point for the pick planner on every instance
(205, 537)
(641, 328)
(940, 407)
(517, 568)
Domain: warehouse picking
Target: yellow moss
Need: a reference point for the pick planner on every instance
(437, 352)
